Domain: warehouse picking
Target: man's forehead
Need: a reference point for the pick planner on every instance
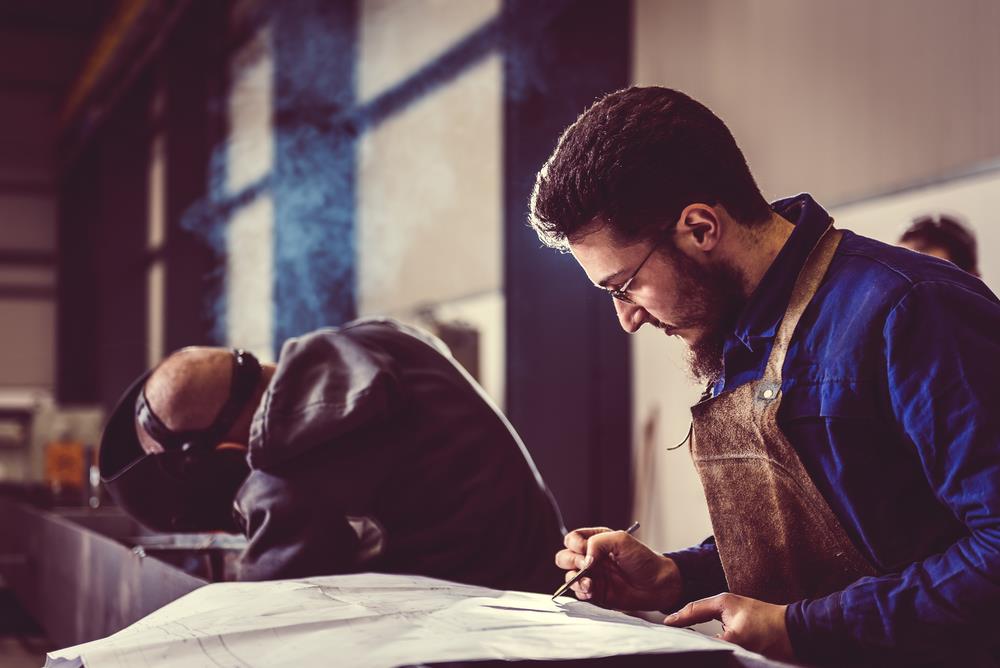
(602, 255)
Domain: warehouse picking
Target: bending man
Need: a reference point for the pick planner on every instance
(365, 448)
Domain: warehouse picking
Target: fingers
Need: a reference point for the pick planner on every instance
(585, 588)
(605, 543)
(568, 560)
(577, 540)
(594, 543)
(697, 612)
(584, 548)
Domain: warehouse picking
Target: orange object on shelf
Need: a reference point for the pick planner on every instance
(65, 465)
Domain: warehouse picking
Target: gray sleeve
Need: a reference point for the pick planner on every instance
(289, 534)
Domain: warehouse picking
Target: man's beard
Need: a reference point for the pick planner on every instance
(713, 299)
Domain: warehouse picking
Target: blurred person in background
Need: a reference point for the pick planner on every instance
(365, 448)
(945, 237)
(847, 441)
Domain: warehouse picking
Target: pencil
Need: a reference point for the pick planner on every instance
(580, 574)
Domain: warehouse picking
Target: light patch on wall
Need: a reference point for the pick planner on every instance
(429, 189)
(399, 37)
(156, 278)
(430, 197)
(27, 222)
(155, 305)
(250, 278)
(250, 146)
(28, 353)
(249, 292)
(485, 314)
(27, 276)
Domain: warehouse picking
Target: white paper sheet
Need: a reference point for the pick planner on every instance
(372, 620)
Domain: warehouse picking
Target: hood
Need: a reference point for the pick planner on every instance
(326, 385)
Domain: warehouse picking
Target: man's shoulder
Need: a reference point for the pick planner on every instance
(874, 273)
(385, 339)
(375, 329)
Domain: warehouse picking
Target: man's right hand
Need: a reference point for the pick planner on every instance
(626, 574)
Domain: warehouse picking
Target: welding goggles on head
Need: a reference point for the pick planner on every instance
(190, 487)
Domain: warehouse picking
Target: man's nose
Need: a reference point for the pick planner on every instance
(630, 316)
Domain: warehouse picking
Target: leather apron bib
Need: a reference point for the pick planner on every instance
(778, 539)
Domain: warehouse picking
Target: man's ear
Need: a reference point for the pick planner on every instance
(699, 229)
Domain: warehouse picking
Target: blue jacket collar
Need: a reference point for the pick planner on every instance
(766, 307)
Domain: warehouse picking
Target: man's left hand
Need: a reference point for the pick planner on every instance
(755, 625)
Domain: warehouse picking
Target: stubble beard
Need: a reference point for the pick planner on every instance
(715, 299)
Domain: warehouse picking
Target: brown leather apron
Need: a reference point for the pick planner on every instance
(778, 539)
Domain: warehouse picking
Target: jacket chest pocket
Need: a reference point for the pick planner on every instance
(838, 430)
(828, 399)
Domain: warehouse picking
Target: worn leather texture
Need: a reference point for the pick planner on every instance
(777, 537)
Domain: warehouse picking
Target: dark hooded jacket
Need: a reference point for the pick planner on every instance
(372, 450)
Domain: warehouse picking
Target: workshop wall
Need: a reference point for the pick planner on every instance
(27, 268)
(282, 202)
(399, 168)
(429, 181)
(842, 100)
(38, 56)
(246, 310)
(429, 174)
(28, 208)
(133, 156)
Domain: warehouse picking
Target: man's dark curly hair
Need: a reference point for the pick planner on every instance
(637, 157)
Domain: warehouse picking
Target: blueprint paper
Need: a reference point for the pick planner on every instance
(375, 620)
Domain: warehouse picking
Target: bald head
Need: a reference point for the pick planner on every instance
(188, 389)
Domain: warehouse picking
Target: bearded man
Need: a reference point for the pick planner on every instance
(847, 441)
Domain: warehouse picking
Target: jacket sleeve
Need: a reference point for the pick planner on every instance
(701, 571)
(327, 386)
(942, 351)
(289, 534)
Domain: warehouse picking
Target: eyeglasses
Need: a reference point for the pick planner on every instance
(621, 294)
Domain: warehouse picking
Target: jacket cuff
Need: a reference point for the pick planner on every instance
(701, 572)
(816, 630)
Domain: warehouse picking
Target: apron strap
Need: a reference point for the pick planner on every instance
(805, 287)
